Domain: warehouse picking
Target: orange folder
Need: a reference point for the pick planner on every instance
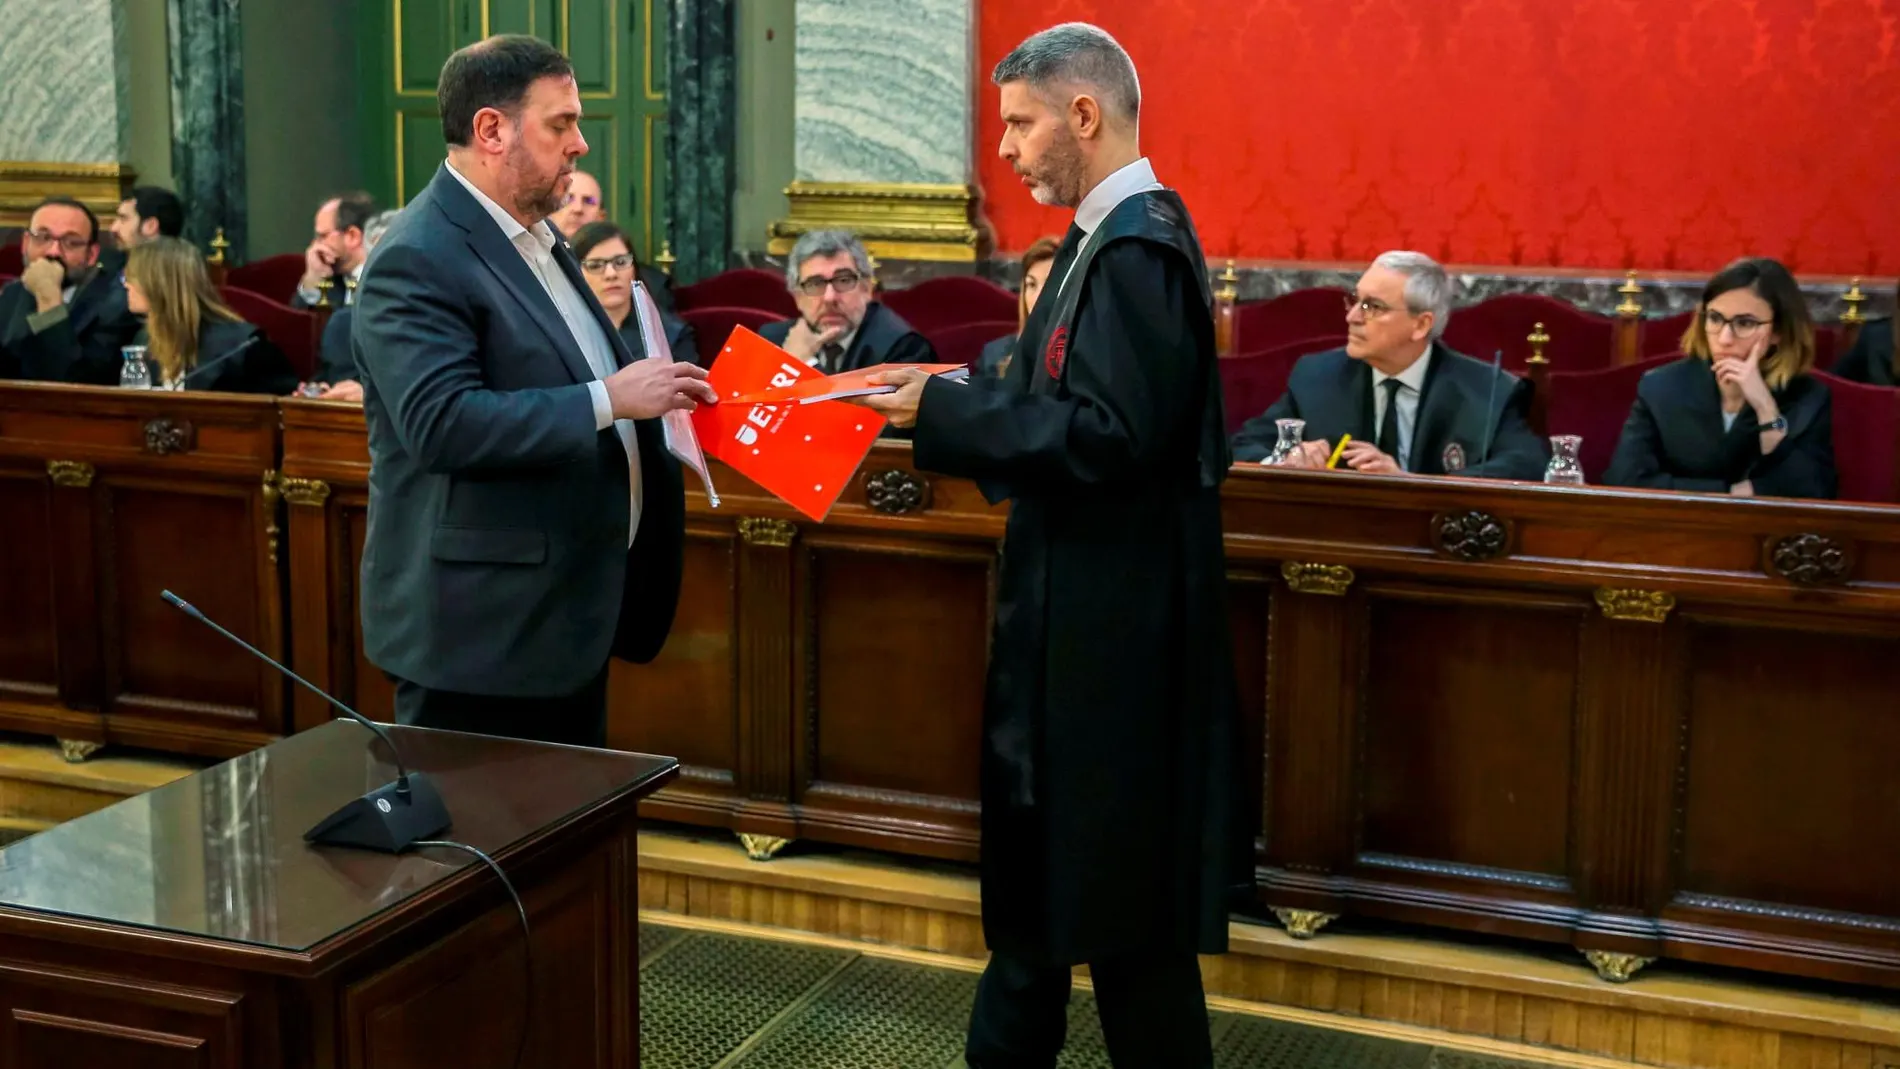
(805, 454)
(807, 391)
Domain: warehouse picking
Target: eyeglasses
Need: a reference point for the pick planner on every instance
(1372, 307)
(843, 282)
(1744, 326)
(619, 263)
(590, 201)
(71, 242)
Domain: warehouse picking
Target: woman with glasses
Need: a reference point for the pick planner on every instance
(994, 360)
(194, 340)
(1739, 414)
(610, 267)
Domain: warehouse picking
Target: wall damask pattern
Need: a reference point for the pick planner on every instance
(1574, 133)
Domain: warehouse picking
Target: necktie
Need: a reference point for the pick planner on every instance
(830, 358)
(1389, 424)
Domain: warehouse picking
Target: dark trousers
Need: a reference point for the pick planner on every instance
(578, 719)
(1154, 1015)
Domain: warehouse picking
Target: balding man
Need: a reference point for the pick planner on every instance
(1108, 824)
(337, 252)
(580, 205)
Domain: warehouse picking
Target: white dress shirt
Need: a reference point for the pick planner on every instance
(1411, 388)
(536, 246)
(1137, 177)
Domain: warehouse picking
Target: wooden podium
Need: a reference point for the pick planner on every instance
(193, 926)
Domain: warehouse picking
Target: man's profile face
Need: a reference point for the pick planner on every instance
(62, 233)
(1388, 327)
(842, 292)
(542, 144)
(128, 228)
(1041, 147)
(580, 205)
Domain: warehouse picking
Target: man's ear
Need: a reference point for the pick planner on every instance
(1085, 113)
(148, 227)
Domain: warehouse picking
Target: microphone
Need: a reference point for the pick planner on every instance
(1490, 421)
(389, 819)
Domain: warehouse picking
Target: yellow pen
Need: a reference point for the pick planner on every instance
(1333, 461)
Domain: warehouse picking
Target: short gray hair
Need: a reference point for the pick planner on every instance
(377, 225)
(1076, 53)
(825, 243)
(1427, 286)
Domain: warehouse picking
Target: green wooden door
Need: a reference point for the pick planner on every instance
(619, 52)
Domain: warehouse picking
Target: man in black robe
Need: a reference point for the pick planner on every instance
(1109, 833)
(839, 327)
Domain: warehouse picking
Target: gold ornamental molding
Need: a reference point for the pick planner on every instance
(895, 220)
(1614, 967)
(1641, 606)
(759, 531)
(1305, 578)
(309, 492)
(271, 530)
(761, 847)
(70, 472)
(99, 186)
(1304, 923)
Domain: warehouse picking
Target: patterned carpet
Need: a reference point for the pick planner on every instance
(713, 1000)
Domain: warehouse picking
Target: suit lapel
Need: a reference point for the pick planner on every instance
(1439, 405)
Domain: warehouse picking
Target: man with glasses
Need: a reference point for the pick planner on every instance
(64, 319)
(1412, 406)
(580, 205)
(838, 326)
(337, 252)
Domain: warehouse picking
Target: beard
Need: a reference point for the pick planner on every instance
(1058, 176)
(537, 195)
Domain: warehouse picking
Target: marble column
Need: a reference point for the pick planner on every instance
(207, 81)
(884, 97)
(702, 125)
(64, 112)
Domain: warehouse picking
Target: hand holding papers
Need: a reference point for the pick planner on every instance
(848, 384)
(900, 404)
(681, 441)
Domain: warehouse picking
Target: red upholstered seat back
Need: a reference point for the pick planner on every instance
(1595, 405)
(1291, 317)
(1665, 335)
(963, 343)
(712, 326)
(1251, 382)
(1579, 341)
(1866, 439)
(745, 287)
(291, 329)
(11, 260)
(944, 302)
(275, 277)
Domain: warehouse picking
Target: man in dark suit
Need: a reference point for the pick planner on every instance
(838, 326)
(64, 319)
(1412, 406)
(525, 517)
(339, 247)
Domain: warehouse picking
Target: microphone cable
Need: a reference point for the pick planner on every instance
(527, 938)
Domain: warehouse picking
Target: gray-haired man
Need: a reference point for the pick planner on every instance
(838, 326)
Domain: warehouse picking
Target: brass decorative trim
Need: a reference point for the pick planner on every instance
(165, 436)
(1471, 535)
(761, 847)
(1853, 317)
(24, 183)
(70, 472)
(1304, 923)
(1810, 560)
(1630, 308)
(1642, 606)
(73, 751)
(1538, 338)
(308, 492)
(895, 220)
(1614, 967)
(1304, 578)
(896, 492)
(271, 530)
(759, 531)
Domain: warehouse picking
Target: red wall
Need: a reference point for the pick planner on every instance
(1653, 134)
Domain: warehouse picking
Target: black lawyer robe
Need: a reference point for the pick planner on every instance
(1872, 359)
(1109, 764)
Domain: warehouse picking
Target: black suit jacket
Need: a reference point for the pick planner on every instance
(236, 357)
(679, 336)
(1673, 439)
(883, 338)
(1871, 360)
(994, 358)
(1332, 392)
(496, 560)
(84, 348)
(335, 362)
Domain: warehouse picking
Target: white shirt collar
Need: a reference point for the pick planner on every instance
(1412, 377)
(1137, 177)
(511, 227)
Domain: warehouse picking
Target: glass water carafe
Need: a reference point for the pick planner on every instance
(136, 374)
(1565, 467)
(1292, 432)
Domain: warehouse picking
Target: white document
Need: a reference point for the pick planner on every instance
(681, 441)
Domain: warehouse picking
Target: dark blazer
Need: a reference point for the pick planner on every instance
(335, 362)
(1332, 392)
(1871, 358)
(1673, 439)
(236, 358)
(496, 559)
(991, 362)
(679, 335)
(84, 348)
(883, 338)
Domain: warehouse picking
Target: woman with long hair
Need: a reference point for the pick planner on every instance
(1036, 262)
(1738, 414)
(610, 267)
(194, 340)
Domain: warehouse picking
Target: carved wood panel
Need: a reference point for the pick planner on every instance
(29, 647)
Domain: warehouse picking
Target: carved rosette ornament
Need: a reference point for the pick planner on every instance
(1470, 535)
(1307, 578)
(895, 492)
(1810, 560)
(165, 436)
